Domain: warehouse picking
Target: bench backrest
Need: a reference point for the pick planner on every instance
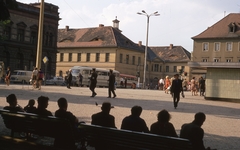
(124, 139)
(31, 123)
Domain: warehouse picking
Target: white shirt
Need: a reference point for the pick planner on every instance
(161, 81)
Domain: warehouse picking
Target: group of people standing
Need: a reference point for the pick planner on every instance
(37, 78)
(93, 82)
(198, 86)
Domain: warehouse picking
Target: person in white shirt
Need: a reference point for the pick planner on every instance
(161, 84)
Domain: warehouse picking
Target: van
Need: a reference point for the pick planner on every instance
(20, 76)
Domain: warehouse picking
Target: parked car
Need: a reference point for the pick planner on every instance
(56, 81)
(21, 76)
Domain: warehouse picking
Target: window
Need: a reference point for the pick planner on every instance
(33, 38)
(20, 35)
(139, 60)
(88, 57)
(107, 57)
(167, 68)
(228, 60)
(205, 46)
(127, 59)
(229, 46)
(133, 60)
(174, 68)
(46, 38)
(217, 46)
(97, 57)
(50, 39)
(216, 60)
(156, 66)
(183, 68)
(204, 60)
(70, 57)
(79, 57)
(61, 56)
(160, 68)
(121, 58)
(7, 32)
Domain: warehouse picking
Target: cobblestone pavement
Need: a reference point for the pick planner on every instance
(221, 127)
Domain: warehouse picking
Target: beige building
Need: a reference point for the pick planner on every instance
(107, 47)
(216, 55)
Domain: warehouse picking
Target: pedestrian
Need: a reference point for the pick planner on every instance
(8, 76)
(193, 86)
(40, 78)
(125, 82)
(80, 79)
(69, 78)
(34, 77)
(176, 89)
(134, 122)
(111, 84)
(161, 84)
(193, 132)
(93, 82)
(163, 126)
(202, 86)
(167, 85)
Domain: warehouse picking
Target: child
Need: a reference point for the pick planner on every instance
(30, 108)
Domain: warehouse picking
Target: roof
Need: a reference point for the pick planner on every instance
(221, 29)
(102, 36)
(174, 54)
(95, 37)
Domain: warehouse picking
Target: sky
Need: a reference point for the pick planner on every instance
(178, 22)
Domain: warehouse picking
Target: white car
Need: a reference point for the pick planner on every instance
(56, 81)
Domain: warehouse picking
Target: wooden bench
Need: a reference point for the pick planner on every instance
(57, 128)
(114, 139)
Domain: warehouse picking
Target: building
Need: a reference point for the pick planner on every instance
(104, 47)
(19, 45)
(175, 60)
(216, 55)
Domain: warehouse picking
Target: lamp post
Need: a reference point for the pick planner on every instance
(145, 57)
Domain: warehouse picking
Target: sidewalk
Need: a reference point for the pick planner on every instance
(221, 126)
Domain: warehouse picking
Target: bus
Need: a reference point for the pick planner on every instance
(102, 79)
(132, 81)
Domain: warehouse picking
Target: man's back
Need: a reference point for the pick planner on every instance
(134, 123)
(103, 119)
(194, 133)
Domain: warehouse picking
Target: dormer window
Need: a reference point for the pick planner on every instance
(232, 27)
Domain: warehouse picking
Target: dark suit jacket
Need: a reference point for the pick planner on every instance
(111, 81)
(176, 86)
(103, 119)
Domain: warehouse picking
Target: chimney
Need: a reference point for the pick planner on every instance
(139, 43)
(67, 28)
(171, 46)
(101, 25)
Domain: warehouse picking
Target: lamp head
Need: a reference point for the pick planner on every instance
(143, 11)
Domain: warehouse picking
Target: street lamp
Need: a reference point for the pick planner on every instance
(145, 58)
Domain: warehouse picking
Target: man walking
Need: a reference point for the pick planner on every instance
(111, 84)
(93, 80)
(176, 89)
(69, 79)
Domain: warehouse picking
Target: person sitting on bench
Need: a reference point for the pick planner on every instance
(42, 105)
(134, 122)
(13, 105)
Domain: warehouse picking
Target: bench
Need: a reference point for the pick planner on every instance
(57, 128)
(114, 139)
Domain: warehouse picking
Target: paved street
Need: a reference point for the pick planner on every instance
(221, 126)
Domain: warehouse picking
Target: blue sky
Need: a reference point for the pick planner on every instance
(179, 20)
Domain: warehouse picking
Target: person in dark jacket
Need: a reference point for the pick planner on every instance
(93, 82)
(163, 126)
(42, 105)
(194, 132)
(134, 122)
(176, 89)
(111, 84)
(69, 79)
